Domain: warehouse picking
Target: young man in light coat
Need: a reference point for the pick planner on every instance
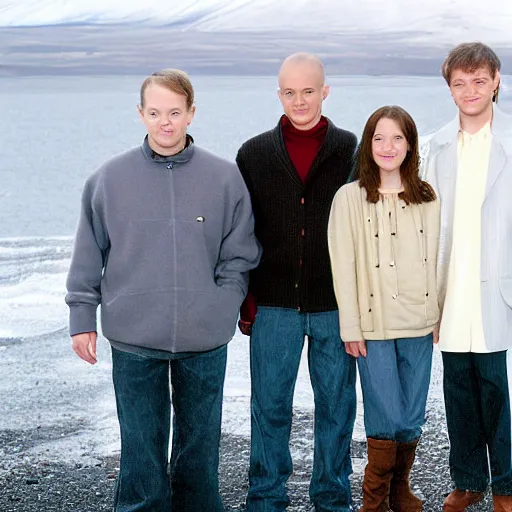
(469, 163)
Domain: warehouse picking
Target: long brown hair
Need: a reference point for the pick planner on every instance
(367, 172)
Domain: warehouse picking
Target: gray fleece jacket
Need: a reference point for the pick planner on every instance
(164, 244)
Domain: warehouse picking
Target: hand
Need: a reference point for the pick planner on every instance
(245, 327)
(436, 333)
(84, 344)
(248, 311)
(356, 348)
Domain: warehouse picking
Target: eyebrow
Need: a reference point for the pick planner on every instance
(479, 77)
(172, 109)
(284, 89)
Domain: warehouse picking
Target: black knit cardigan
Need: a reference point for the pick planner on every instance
(291, 218)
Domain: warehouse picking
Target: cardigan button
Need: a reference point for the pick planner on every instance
(391, 263)
(394, 296)
(301, 200)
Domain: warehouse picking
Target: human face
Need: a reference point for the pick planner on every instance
(473, 92)
(389, 146)
(166, 118)
(301, 92)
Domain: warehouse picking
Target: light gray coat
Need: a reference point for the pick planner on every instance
(165, 245)
(440, 169)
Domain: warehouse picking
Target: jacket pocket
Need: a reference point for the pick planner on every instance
(367, 321)
(141, 319)
(206, 320)
(505, 284)
(175, 321)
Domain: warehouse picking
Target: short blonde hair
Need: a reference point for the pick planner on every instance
(173, 79)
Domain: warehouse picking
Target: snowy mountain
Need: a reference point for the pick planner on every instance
(439, 22)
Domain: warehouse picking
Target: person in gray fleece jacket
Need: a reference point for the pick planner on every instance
(164, 243)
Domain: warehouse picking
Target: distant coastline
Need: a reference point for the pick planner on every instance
(135, 49)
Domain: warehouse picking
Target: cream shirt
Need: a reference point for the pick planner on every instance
(461, 325)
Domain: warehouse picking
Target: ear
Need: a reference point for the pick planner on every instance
(141, 113)
(326, 89)
(191, 114)
(496, 83)
(497, 80)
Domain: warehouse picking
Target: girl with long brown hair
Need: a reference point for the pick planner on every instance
(383, 238)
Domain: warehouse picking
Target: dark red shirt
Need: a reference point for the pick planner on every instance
(303, 145)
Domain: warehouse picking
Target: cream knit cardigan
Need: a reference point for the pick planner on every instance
(383, 259)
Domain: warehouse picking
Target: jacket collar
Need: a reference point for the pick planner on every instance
(179, 158)
(500, 126)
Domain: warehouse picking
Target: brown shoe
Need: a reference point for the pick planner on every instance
(401, 498)
(458, 501)
(378, 474)
(502, 503)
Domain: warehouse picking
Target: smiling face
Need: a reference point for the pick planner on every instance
(473, 91)
(166, 117)
(389, 146)
(301, 92)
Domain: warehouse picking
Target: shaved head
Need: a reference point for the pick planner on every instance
(302, 89)
(302, 60)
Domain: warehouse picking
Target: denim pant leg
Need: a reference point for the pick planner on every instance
(395, 376)
(414, 371)
(493, 382)
(380, 383)
(141, 386)
(276, 345)
(197, 391)
(469, 467)
(333, 378)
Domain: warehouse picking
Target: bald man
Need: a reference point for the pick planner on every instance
(292, 173)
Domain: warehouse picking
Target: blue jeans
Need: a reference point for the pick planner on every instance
(142, 391)
(477, 402)
(395, 376)
(276, 345)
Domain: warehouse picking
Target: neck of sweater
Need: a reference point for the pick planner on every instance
(179, 158)
(303, 145)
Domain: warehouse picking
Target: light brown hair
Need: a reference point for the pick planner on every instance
(469, 57)
(173, 79)
(367, 171)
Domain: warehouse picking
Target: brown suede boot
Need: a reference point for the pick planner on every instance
(458, 501)
(401, 499)
(502, 503)
(378, 474)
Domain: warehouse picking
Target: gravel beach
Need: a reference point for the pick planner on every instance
(59, 447)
